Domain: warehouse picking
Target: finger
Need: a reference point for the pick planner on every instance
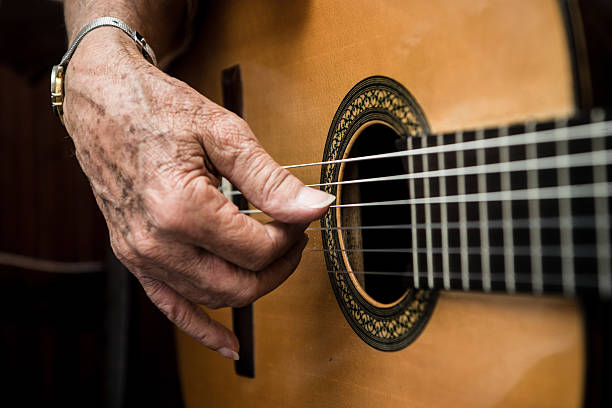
(191, 319)
(237, 154)
(209, 280)
(271, 277)
(206, 219)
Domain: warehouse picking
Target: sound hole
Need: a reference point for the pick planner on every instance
(381, 275)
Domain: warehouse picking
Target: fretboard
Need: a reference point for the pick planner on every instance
(523, 208)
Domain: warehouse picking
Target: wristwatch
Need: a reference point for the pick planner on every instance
(58, 72)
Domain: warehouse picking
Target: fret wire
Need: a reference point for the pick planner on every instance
(535, 237)
(443, 219)
(465, 279)
(565, 214)
(428, 238)
(602, 217)
(508, 228)
(415, 259)
(483, 216)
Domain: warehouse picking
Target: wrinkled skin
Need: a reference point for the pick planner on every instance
(154, 150)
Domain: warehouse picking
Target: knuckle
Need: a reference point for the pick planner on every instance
(168, 215)
(177, 314)
(215, 304)
(233, 128)
(227, 285)
(246, 295)
(244, 299)
(222, 283)
(260, 262)
(120, 249)
(265, 253)
(204, 335)
(145, 246)
(274, 184)
(261, 251)
(232, 136)
(127, 255)
(169, 307)
(152, 288)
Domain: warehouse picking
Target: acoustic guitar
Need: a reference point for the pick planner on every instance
(466, 261)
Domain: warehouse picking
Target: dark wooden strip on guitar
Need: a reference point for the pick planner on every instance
(242, 317)
(534, 244)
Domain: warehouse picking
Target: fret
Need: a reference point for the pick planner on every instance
(413, 216)
(463, 239)
(602, 218)
(565, 214)
(509, 272)
(483, 217)
(428, 238)
(443, 220)
(533, 203)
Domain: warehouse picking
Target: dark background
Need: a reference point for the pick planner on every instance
(65, 339)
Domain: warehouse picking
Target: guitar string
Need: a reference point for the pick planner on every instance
(580, 251)
(495, 277)
(583, 281)
(589, 190)
(546, 222)
(589, 130)
(554, 135)
(519, 278)
(599, 158)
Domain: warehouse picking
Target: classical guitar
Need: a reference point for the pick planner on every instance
(466, 261)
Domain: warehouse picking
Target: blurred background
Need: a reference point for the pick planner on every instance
(75, 327)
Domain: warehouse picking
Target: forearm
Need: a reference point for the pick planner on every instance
(159, 21)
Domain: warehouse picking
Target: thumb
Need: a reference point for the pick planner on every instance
(263, 182)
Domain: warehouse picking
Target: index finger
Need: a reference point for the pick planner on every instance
(202, 216)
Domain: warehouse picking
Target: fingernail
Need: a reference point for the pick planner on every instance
(312, 198)
(227, 353)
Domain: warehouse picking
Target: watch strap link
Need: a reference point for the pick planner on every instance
(141, 43)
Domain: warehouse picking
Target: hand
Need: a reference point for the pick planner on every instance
(154, 150)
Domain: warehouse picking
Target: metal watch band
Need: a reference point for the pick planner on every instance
(58, 72)
(143, 46)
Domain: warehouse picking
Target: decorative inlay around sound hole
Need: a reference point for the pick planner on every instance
(371, 284)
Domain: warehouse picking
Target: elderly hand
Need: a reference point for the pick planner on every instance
(154, 150)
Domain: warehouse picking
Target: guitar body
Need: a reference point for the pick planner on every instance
(468, 64)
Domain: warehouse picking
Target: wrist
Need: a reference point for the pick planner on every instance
(106, 47)
(78, 15)
(102, 60)
(158, 21)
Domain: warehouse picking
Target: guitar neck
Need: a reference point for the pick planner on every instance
(523, 208)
